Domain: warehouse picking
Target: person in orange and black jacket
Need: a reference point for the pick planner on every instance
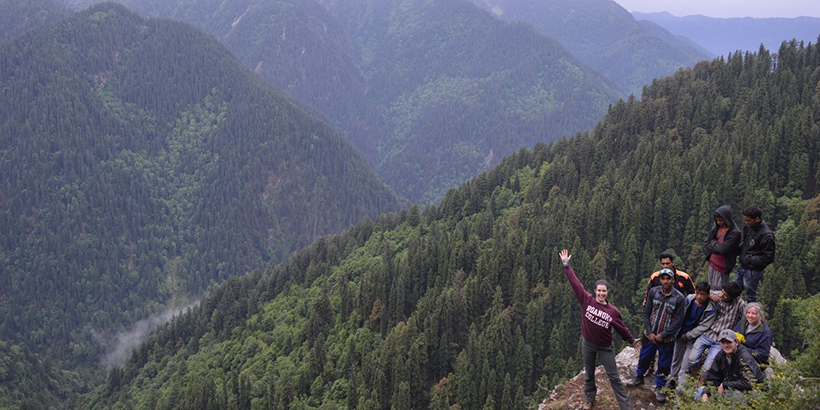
(681, 280)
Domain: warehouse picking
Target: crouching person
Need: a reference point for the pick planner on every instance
(733, 371)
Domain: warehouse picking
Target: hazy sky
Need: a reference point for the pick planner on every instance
(727, 8)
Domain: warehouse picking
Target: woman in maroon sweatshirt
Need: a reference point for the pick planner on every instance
(598, 319)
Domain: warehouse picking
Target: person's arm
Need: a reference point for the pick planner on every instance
(760, 351)
(688, 284)
(647, 313)
(677, 321)
(577, 288)
(766, 255)
(730, 242)
(705, 323)
(620, 327)
(749, 371)
(648, 287)
(714, 377)
(707, 243)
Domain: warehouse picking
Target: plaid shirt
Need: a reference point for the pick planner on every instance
(728, 314)
(663, 314)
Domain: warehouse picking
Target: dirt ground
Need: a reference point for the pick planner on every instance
(570, 395)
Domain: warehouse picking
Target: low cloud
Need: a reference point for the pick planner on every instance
(127, 341)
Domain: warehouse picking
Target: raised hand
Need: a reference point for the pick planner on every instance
(565, 257)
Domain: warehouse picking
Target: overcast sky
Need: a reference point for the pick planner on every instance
(727, 8)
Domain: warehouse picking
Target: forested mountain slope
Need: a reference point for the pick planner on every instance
(458, 89)
(294, 45)
(19, 16)
(432, 92)
(140, 162)
(606, 37)
(466, 303)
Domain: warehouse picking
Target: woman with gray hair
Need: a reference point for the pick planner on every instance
(757, 337)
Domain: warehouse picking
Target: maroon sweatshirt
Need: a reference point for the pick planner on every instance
(597, 319)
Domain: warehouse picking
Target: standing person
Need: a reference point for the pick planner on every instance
(756, 333)
(699, 312)
(721, 246)
(680, 281)
(756, 253)
(662, 318)
(733, 371)
(597, 322)
(729, 311)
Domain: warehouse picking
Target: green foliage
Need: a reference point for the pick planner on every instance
(465, 303)
(141, 163)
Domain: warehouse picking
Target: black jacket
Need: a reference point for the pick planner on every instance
(730, 247)
(737, 375)
(757, 251)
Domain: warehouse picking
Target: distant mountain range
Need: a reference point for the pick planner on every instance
(606, 37)
(19, 16)
(722, 36)
(431, 92)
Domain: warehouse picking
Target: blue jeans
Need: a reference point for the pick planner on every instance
(665, 351)
(749, 280)
(702, 343)
(726, 393)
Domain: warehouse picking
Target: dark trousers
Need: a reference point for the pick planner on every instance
(664, 351)
(607, 358)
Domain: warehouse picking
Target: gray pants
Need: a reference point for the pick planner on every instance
(717, 280)
(607, 358)
(680, 360)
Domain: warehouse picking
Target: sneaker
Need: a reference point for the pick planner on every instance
(636, 382)
(588, 405)
(659, 396)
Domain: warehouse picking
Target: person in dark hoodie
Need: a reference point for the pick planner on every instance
(721, 246)
(756, 253)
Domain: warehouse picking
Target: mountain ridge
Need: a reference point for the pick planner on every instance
(722, 36)
(143, 163)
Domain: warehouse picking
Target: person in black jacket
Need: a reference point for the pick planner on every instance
(721, 246)
(733, 371)
(756, 253)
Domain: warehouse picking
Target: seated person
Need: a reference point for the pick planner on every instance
(729, 311)
(733, 371)
(755, 331)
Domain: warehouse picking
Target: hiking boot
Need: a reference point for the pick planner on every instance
(659, 396)
(636, 382)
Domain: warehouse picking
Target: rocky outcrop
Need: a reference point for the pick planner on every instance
(570, 394)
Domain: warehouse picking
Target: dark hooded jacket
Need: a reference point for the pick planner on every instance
(730, 248)
(736, 374)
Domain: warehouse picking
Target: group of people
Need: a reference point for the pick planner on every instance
(706, 329)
